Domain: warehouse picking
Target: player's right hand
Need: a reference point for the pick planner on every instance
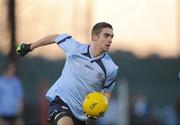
(90, 117)
(23, 49)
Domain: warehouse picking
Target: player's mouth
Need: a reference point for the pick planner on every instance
(107, 46)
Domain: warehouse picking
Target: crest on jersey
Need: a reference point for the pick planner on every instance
(100, 76)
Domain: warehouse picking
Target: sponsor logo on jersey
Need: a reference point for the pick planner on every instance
(89, 67)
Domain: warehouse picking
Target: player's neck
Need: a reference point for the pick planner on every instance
(96, 51)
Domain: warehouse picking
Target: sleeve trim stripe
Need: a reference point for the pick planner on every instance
(68, 37)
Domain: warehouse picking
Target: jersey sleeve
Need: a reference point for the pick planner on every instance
(110, 81)
(67, 43)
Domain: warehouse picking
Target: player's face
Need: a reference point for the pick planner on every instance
(104, 39)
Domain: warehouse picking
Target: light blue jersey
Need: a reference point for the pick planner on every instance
(81, 74)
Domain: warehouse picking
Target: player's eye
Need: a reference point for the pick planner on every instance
(112, 36)
(106, 35)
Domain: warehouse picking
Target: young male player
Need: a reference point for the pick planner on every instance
(88, 68)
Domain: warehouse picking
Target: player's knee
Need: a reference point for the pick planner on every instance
(66, 120)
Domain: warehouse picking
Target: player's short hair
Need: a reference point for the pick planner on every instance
(97, 28)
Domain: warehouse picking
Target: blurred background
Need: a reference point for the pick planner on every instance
(146, 47)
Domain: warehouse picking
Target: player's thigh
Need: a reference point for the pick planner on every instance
(66, 120)
(58, 111)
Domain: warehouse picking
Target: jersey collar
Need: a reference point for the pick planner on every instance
(90, 55)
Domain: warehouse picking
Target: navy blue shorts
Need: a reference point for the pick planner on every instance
(58, 109)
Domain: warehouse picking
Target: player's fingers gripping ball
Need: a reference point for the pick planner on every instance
(95, 105)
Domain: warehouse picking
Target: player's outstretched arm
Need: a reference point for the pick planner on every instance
(24, 48)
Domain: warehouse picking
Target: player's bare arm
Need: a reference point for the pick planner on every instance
(44, 41)
(25, 48)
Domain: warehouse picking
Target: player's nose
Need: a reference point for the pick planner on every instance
(110, 41)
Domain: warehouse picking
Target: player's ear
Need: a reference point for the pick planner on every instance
(94, 37)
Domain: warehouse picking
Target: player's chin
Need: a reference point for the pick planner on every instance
(106, 48)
